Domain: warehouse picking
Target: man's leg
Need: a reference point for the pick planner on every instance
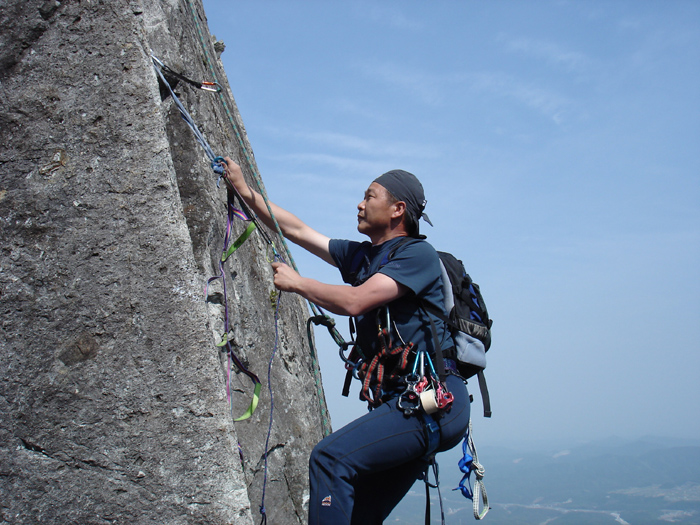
(376, 495)
(379, 441)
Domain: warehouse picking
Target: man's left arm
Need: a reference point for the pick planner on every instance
(340, 299)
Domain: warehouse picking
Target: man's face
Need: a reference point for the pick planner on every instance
(375, 210)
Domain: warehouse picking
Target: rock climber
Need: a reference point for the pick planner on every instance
(360, 472)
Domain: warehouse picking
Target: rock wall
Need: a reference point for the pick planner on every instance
(113, 392)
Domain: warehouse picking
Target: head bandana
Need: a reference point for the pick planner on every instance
(405, 187)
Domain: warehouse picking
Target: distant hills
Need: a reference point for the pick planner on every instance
(645, 481)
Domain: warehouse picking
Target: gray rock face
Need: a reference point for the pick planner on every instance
(113, 393)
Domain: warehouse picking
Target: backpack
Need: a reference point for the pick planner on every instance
(467, 317)
(468, 320)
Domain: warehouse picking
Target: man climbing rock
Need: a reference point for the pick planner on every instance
(360, 472)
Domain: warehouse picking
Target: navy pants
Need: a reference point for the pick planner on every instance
(359, 473)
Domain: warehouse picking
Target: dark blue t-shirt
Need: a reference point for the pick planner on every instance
(416, 265)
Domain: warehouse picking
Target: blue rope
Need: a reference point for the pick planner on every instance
(215, 160)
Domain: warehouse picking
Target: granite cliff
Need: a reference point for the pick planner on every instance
(113, 392)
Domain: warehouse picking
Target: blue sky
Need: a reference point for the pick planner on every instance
(558, 144)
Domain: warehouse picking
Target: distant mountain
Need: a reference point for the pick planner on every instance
(645, 481)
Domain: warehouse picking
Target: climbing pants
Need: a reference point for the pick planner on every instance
(359, 473)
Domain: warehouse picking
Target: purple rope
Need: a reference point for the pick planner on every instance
(272, 407)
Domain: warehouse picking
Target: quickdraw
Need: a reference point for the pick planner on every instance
(215, 162)
(206, 86)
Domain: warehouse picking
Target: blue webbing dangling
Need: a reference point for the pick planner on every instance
(468, 464)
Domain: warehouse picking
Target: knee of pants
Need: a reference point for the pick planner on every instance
(322, 456)
(329, 461)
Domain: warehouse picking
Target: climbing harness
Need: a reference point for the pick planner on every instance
(468, 464)
(372, 373)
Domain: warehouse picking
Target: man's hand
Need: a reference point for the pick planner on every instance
(286, 279)
(234, 174)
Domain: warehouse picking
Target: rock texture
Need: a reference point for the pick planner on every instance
(112, 390)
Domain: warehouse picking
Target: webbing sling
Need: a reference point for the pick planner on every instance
(468, 464)
(237, 243)
(232, 358)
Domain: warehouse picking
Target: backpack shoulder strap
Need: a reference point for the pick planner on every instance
(439, 359)
(391, 253)
(361, 257)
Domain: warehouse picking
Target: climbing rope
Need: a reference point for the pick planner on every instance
(219, 167)
(159, 66)
(263, 512)
(316, 310)
(228, 250)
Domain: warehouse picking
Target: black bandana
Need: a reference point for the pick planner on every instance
(405, 187)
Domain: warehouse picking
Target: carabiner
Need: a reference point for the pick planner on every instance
(214, 87)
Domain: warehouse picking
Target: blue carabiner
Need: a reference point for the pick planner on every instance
(216, 165)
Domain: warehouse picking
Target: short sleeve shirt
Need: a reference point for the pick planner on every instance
(416, 265)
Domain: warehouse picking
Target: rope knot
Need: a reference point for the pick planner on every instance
(218, 165)
(323, 320)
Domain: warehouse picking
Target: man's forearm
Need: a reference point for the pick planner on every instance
(336, 298)
(291, 226)
(288, 222)
(340, 299)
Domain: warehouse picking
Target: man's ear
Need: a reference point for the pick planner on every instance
(399, 209)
